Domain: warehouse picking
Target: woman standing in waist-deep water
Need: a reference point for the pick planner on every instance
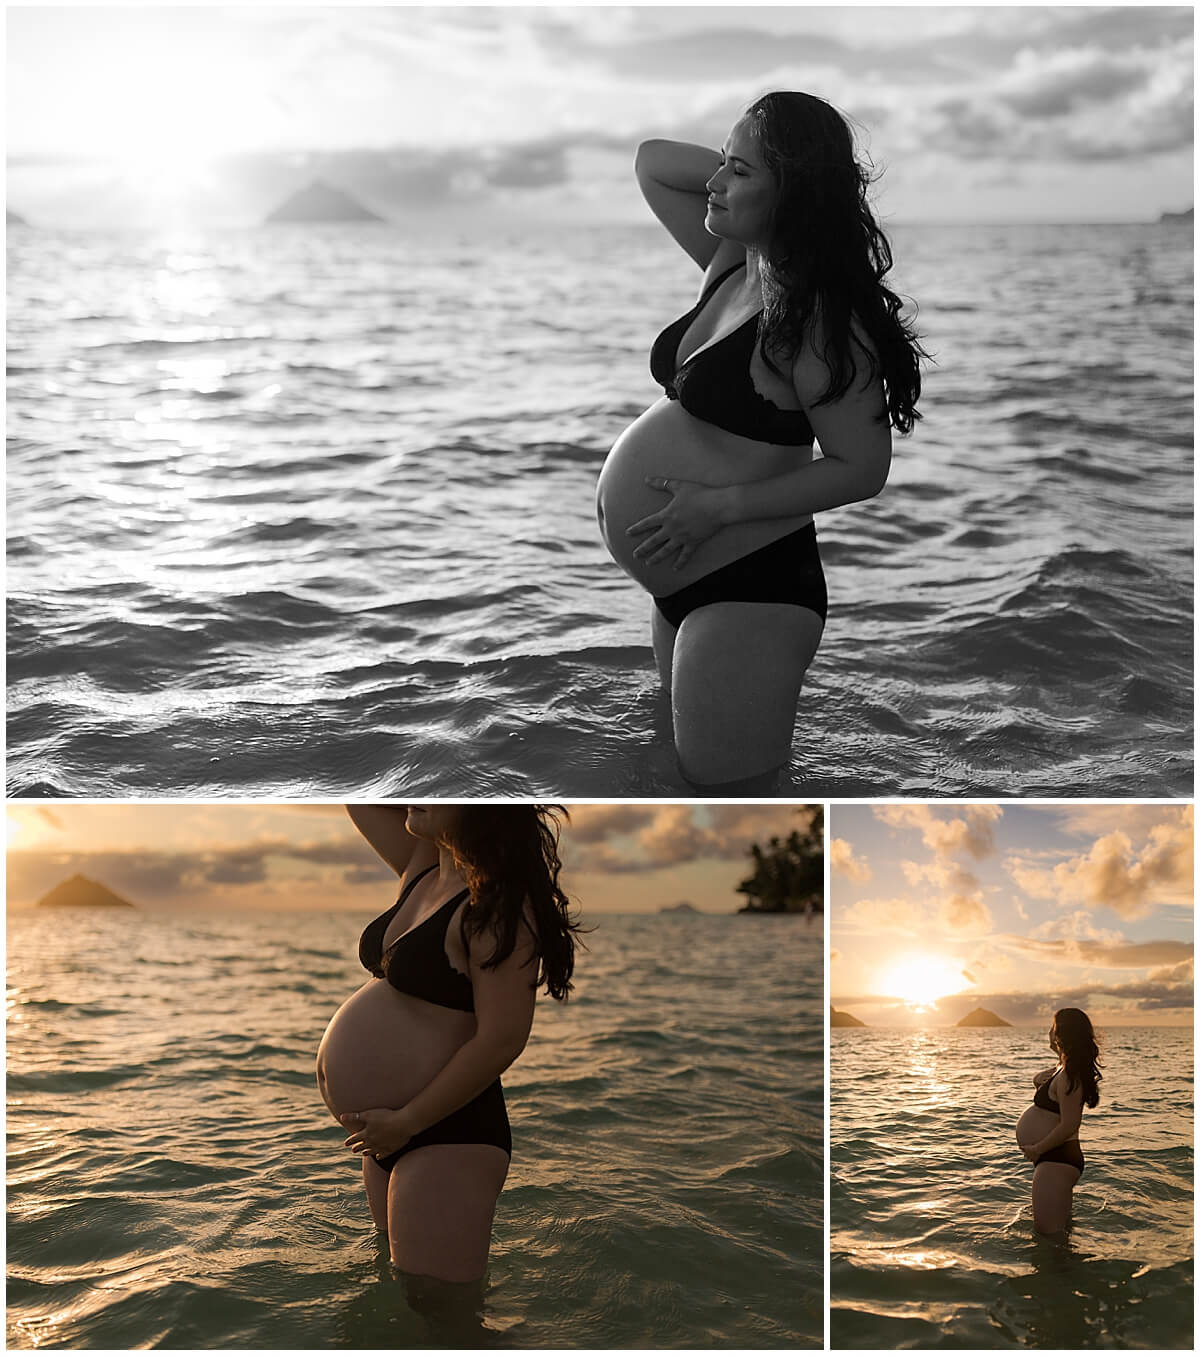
(411, 1063)
(794, 335)
(1048, 1131)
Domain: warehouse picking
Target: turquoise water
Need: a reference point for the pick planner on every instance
(311, 513)
(931, 1233)
(175, 1181)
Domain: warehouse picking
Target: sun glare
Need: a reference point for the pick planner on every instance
(921, 979)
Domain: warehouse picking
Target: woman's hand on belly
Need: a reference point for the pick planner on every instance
(378, 1131)
(692, 514)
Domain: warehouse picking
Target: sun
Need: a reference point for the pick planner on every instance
(920, 979)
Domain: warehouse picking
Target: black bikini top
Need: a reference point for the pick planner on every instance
(1043, 1099)
(416, 962)
(714, 384)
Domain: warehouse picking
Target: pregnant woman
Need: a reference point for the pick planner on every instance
(411, 1063)
(794, 336)
(1048, 1131)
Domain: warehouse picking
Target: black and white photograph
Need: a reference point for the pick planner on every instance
(599, 401)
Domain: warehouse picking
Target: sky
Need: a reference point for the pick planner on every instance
(1019, 909)
(166, 115)
(616, 858)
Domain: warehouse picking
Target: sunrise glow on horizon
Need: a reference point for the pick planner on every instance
(145, 115)
(936, 910)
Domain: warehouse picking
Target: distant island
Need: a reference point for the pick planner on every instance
(81, 893)
(321, 202)
(981, 1017)
(13, 218)
(682, 907)
(837, 1018)
(1169, 218)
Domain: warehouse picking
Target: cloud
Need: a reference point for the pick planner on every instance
(896, 915)
(966, 914)
(843, 860)
(944, 831)
(670, 835)
(1142, 995)
(1118, 955)
(949, 833)
(1115, 874)
(148, 877)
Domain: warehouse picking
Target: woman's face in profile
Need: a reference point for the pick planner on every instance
(436, 823)
(742, 193)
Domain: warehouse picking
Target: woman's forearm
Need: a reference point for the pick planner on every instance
(474, 1067)
(1061, 1133)
(824, 484)
(383, 826)
(677, 164)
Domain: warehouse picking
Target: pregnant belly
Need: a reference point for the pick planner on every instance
(382, 1047)
(1035, 1124)
(667, 441)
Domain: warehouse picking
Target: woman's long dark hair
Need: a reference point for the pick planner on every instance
(828, 256)
(508, 856)
(1073, 1038)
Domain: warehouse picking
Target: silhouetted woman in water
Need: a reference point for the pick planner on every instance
(1048, 1131)
(411, 1063)
(707, 499)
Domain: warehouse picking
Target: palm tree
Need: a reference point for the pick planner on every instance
(789, 874)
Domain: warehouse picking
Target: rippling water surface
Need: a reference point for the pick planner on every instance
(931, 1231)
(308, 512)
(175, 1181)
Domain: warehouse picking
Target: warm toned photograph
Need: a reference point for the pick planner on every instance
(415, 1075)
(1011, 1076)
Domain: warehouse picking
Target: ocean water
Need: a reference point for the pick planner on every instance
(310, 513)
(175, 1181)
(931, 1230)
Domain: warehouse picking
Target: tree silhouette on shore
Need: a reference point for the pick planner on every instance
(789, 873)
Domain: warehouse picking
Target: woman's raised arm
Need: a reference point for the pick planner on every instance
(673, 177)
(384, 827)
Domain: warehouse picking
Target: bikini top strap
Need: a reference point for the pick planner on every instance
(716, 282)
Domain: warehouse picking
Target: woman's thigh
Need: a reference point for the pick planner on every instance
(441, 1200)
(376, 1182)
(737, 670)
(1053, 1185)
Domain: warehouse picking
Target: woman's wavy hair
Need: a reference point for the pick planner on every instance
(508, 856)
(1072, 1036)
(828, 256)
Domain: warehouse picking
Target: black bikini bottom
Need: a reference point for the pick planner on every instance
(482, 1121)
(784, 571)
(1069, 1153)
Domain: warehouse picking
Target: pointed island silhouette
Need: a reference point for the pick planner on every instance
(981, 1017)
(837, 1018)
(320, 201)
(82, 893)
(682, 907)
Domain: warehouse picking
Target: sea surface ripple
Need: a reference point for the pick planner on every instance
(175, 1181)
(931, 1231)
(310, 512)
